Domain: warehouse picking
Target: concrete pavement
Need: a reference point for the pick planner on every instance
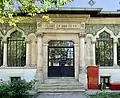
(69, 95)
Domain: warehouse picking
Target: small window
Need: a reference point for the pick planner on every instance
(105, 80)
(15, 78)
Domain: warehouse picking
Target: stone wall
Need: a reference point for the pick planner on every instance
(81, 29)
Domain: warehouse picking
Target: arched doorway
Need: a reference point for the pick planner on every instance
(60, 58)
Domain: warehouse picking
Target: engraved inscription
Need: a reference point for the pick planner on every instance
(61, 26)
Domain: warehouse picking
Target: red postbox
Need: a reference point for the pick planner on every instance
(93, 77)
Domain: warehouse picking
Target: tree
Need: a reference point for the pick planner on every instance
(8, 11)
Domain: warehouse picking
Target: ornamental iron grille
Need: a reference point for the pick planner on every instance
(1, 52)
(104, 50)
(61, 58)
(16, 48)
(118, 52)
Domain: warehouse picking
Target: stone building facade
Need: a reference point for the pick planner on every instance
(84, 28)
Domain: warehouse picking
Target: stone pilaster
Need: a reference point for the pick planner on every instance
(27, 54)
(115, 54)
(82, 52)
(39, 72)
(45, 56)
(76, 49)
(33, 58)
(82, 71)
(4, 54)
(93, 57)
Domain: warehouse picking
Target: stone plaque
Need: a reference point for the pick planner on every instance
(61, 26)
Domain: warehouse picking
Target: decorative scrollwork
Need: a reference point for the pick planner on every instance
(94, 28)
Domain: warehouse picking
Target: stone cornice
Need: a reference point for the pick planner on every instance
(58, 18)
(69, 15)
(103, 20)
(65, 17)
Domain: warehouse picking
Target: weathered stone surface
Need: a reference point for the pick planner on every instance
(94, 28)
(59, 85)
(26, 27)
(73, 95)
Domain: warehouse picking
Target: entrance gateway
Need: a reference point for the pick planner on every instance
(61, 53)
(60, 58)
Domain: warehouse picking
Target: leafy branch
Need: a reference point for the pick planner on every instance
(12, 15)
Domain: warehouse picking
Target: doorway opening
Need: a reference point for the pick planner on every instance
(60, 58)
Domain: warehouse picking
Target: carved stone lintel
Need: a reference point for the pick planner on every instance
(62, 26)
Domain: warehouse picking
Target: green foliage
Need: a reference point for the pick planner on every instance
(19, 87)
(105, 94)
(27, 7)
(15, 88)
(4, 88)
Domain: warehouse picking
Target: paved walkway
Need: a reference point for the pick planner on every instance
(91, 92)
(72, 95)
(62, 96)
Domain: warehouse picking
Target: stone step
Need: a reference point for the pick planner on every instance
(63, 95)
(60, 88)
(57, 81)
(63, 84)
(61, 91)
